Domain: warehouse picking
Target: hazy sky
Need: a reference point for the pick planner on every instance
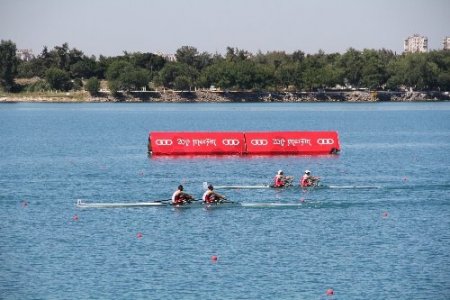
(110, 27)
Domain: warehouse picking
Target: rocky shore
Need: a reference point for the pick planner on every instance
(231, 96)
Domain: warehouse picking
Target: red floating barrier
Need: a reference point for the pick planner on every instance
(292, 142)
(188, 143)
(232, 143)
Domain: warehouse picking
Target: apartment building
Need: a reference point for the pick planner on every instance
(416, 43)
(446, 43)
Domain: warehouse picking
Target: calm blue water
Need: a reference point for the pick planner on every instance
(388, 242)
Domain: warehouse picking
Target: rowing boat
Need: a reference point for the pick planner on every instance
(258, 186)
(81, 204)
(318, 184)
(237, 187)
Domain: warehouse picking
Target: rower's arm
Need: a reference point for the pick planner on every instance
(220, 196)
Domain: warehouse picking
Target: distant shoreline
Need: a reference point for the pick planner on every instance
(230, 96)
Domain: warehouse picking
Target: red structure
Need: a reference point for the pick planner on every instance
(243, 143)
(190, 143)
(292, 142)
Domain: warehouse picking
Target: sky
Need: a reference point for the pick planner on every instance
(110, 27)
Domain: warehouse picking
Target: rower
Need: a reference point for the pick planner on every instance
(280, 180)
(210, 196)
(308, 180)
(179, 197)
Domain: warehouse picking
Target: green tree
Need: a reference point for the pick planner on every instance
(182, 83)
(122, 75)
(374, 69)
(8, 64)
(92, 85)
(220, 74)
(187, 55)
(169, 73)
(134, 79)
(320, 71)
(148, 61)
(414, 70)
(442, 60)
(58, 79)
(84, 68)
(235, 54)
(351, 64)
(190, 56)
(286, 75)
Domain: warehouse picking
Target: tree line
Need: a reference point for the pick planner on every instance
(64, 68)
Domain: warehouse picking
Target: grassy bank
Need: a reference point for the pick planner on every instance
(47, 96)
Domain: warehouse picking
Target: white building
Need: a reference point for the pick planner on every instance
(446, 43)
(169, 57)
(25, 54)
(416, 43)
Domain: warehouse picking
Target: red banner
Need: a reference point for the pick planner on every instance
(259, 143)
(292, 142)
(188, 143)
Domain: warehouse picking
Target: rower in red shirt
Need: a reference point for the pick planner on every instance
(308, 180)
(179, 197)
(210, 196)
(280, 180)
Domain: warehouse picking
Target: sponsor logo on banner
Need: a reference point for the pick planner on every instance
(262, 142)
(204, 142)
(325, 141)
(163, 142)
(279, 142)
(183, 142)
(230, 142)
(299, 142)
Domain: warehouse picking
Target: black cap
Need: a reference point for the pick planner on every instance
(180, 187)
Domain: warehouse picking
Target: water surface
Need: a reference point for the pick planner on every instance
(389, 241)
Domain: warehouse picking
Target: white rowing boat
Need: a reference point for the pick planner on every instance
(230, 187)
(236, 187)
(318, 184)
(81, 204)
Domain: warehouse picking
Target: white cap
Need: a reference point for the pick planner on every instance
(307, 171)
(280, 172)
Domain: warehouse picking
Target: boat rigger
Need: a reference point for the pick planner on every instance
(244, 143)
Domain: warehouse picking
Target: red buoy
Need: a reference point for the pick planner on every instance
(330, 292)
(214, 258)
(139, 235)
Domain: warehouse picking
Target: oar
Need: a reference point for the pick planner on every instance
(225, 200)
(192, 200)
(164, 200)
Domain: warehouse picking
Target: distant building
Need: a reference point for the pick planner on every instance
(416, 43)
(447, 43)
(168, 57)
(25, 54)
